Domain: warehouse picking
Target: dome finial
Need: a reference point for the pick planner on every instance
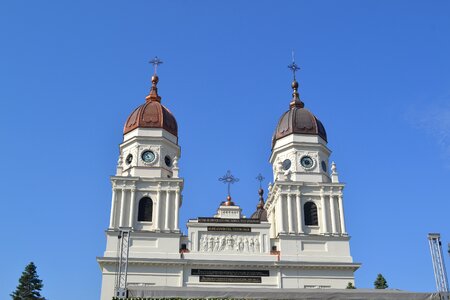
(153, 96)
(296, 102)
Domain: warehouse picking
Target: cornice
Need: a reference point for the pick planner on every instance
(232, 263)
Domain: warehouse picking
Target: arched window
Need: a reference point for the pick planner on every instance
(310, 210)
(145, 212)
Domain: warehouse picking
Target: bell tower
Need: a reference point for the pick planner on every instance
(146, 189)
(305, 202)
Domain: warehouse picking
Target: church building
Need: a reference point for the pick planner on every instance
(295, 239)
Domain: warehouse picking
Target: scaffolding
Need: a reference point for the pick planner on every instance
(123, 245)
(440, 273)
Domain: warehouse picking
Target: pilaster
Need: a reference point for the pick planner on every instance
(132, 207)
(341, 213)
(298, 205)
(113, 209)
(333, 214)
(324, 227)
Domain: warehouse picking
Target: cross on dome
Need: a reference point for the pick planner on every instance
(296, 102)
(156, 62)
(293, 66)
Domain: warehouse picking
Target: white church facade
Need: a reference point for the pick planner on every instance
(296, 238)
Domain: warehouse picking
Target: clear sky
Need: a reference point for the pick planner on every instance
(376, 73)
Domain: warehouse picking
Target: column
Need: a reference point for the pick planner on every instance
(341, 214)
(167, 214)
(333, 214)
(324, 214)
(158, 208)
(132, 208)
(177, 209)
(113, 209)
(280, 215)
(290, 214)
(299, 212)
(122, 208)
(273, 224)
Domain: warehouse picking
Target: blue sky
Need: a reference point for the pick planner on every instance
(376, 73)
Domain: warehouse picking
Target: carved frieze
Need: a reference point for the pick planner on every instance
(230, 243)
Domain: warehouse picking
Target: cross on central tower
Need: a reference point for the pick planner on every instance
(228, 179)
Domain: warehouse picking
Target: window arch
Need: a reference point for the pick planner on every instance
(310, 210)
(145, 213)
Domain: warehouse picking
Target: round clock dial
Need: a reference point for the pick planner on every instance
(168, 161)
(307, 162)
(286, 164)
(129, 159)
(324, 166)
(148, 156)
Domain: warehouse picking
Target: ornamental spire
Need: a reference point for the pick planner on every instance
(260, 205)
(153, 95)
(295, 102)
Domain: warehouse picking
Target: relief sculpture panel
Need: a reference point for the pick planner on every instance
(230, 243)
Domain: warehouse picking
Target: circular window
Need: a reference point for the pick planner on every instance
(307, 162)
(148, 156)
(324, 166)
(168, 161)
(286, 164)
(129, 159)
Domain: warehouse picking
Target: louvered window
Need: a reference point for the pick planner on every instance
(145, 212)
(310, 210)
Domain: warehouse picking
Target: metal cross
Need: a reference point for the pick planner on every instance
(293, 66)
(155, 62)
(260, 178)
(229, 179)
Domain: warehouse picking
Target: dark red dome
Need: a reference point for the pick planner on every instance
(152, 114)
(298, 120)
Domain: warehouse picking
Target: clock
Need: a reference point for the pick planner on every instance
(168, 161)
(307, 162)
(148, 156)
(129, 159)
(286, 164)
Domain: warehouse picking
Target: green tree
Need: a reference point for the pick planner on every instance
(29, 285)
(380, 282)
(350, 286)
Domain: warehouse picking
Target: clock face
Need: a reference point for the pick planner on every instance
(307, 162)
(129, 159)
(286, 164)
(148, 156)
(324, 166)
(168, 161)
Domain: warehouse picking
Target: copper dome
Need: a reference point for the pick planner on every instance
(152, 114)
(298, 120)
